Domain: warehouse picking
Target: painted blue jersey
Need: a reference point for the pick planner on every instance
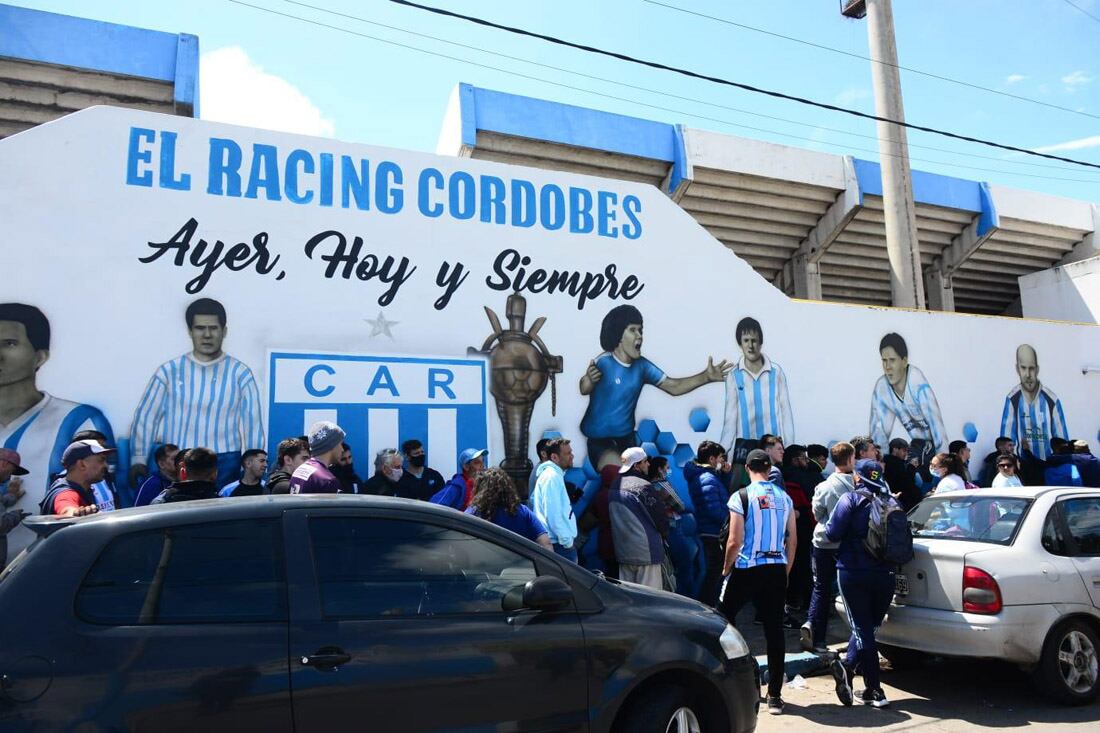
(40, 435)
(214, 405)
(1032, 423)
(765, 524)
(916, 408)
(611, 405)
(756, 405)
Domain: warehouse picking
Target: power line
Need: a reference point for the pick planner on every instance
(737, 84)
(626, 100)
(648, 90)
(1078, 7)
(854, 55)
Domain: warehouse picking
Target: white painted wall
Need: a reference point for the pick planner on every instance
(1067, 293)
(74, 230)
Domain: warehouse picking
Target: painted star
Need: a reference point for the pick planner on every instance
(380, 325)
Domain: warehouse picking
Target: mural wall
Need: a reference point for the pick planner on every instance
(174, 280)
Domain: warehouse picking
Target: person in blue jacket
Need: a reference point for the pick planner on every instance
(459, 491)
(709, 497)
(866, 584)
(496, 500)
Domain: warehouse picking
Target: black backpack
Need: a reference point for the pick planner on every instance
(889, 538)
(724, 535)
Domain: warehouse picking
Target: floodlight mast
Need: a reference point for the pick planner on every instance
(902, 245)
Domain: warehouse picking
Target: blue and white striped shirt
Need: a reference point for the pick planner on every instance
(756, 405)
(1033, 423)
(40, 435)
(193, 404)
(765, 524)
(917, 409)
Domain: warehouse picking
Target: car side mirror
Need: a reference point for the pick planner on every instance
(545, 593)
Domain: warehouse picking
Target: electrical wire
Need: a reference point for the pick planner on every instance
(737, 84)
(632, 101)
(670, 95)
(1078, 7)
(854, 55)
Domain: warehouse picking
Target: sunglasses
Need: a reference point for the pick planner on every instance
(1005, 465)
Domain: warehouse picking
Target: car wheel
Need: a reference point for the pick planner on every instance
(901, 658)
(1068, 670)
(666, 709)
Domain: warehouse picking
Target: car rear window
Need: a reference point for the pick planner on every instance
(992, 519)
(219, 572)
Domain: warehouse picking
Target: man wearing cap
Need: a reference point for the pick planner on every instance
(759, 555)
(10, 471)
(639, 522)
(866, 583)
(550, 499)
(459, 491)
(197, 477)
(71, 495)
(326, 443)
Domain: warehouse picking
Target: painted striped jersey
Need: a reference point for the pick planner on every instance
(765, 524)
(757, 405)
(193, 404)
(40, 435)
(1033, 423)
(916, 408)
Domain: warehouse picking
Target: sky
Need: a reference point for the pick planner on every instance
(354, 79)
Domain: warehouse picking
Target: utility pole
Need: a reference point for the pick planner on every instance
(902, 245)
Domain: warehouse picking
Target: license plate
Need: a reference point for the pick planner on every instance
(901, 585)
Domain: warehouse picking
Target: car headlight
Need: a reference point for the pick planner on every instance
(733, 644)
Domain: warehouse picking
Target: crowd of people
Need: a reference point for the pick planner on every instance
(785, 529)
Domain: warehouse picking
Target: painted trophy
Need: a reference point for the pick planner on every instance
(520, 365)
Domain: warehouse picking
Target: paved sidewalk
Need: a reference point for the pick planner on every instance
(944, 696)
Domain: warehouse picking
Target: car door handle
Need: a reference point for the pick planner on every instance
(326, 658)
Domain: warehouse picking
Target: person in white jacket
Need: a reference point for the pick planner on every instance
(550, 499)
(826, 496)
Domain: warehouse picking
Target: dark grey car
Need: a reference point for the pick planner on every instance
(309, 613)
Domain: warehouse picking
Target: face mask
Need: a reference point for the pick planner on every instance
(394, 474)
(416, 461)
(938, 472)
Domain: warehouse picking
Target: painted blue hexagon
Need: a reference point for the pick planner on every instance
(650, 449)
(590, 470)
(590, 488)
(682, 454)
(550, 434)
(576, 476)
(666, 443)
(648, 430)
(970, 432)
(699, 419)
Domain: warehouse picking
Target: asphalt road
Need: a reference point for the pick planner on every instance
(944, 695)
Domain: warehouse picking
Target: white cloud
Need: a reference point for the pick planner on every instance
(1075, 79)
(238, 91)
(1079, 144)
(1014, 78)
(851, 95)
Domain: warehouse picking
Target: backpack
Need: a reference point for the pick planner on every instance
(889, 538)
(724, 535)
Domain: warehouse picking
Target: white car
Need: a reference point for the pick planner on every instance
(1010, 574)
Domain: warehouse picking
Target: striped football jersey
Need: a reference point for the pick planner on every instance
(1032, 423)
(193, 404)
(40, 435)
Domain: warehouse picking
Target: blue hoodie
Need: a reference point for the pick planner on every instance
(709, 496)
(848, 525)
(453, 493)
(550, 503)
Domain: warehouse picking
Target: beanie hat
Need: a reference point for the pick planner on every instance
(324, 436)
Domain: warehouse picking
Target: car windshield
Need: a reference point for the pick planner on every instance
(993, 519)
